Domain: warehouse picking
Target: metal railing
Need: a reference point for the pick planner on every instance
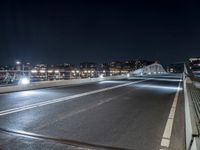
(189, 73)
(194, 92)
(12, 77)
(192, 109)
(195, 97)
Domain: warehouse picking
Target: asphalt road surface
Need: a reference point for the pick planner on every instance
(118, 114)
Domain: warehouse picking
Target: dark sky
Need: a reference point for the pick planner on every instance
(73, 31)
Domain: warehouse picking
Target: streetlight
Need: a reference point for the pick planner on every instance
(18, 62)
(24, 81)
(128, 75)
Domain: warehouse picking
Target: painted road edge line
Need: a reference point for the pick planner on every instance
(53, 101)
(165, 142)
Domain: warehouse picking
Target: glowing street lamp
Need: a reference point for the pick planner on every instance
(128, 75)
(24, 81)
(18, 62)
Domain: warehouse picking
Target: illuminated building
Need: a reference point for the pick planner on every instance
(88, 70)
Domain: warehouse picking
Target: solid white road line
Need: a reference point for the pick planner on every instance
(19, 109)
(165, 142)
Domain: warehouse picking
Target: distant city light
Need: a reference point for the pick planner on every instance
(50, 71)
(33, 71)
(18, 62)
(128, 75)
(42, 71)
(56, 71)
(24, 81)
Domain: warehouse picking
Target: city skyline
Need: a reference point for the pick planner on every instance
(22, 62)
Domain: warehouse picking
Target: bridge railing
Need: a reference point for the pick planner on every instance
(192, 110)
(12, 77)
(56, 83)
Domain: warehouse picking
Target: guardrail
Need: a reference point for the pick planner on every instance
(189, 73)
(192, 110)
(47, 84)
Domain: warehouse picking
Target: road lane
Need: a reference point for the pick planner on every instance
(19, 99)
(62, 99)
(131, 117)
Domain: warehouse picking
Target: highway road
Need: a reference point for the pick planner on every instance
(117, 114)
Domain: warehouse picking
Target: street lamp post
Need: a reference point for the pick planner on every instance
(20, 63)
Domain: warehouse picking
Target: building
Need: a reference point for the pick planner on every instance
(104, 69)
(22, 66)
(175, 68)
(62, 71)
(52, 72)
(27, 66)
(130, 65)
(39, 72)
(194, 61)
(88, 70)
(142, 63)
(116, 67)
(194, 64)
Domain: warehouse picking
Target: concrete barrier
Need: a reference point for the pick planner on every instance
(192, 139)
(48, 84)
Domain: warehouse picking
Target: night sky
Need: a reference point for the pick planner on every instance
(101, 31)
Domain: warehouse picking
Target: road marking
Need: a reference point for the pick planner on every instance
(165, 142)
(23, 108)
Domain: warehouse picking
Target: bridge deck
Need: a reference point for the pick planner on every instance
(127, 114)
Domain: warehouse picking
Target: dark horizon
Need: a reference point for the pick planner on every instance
(56, 32)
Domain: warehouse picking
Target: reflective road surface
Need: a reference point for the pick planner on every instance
(116, 114)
